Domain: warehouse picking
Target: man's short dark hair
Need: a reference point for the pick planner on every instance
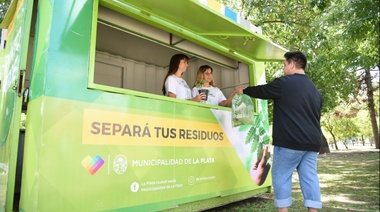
(297, 57)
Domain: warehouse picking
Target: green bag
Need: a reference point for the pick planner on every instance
(242, 110)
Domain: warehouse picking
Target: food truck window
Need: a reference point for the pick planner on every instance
(130, 56)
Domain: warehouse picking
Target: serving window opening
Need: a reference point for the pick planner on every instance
(133, 56)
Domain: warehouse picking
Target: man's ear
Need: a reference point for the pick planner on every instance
(292, 65)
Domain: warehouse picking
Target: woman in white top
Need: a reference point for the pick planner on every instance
(205, 80)
(174, 85)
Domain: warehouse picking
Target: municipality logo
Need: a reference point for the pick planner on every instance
(120, 164)
(92, 164)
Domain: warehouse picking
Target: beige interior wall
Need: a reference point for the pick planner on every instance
(126, 73)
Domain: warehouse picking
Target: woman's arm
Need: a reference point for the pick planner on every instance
(227, 102)
(173, 95)
(197, 98)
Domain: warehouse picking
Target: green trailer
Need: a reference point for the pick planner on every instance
(98, 134)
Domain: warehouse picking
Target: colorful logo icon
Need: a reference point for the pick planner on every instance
(92, 165)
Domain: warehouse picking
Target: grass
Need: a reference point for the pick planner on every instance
(349, 181)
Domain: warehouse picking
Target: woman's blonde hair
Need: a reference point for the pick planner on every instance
(201, 70)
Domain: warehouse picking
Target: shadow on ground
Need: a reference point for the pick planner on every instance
(349, 180)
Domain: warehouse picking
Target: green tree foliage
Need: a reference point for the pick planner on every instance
(4, 5)
(329, 122)
(339, 37)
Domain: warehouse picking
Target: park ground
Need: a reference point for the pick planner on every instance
(349, 180)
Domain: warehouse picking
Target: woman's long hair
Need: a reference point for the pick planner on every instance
(201, 70)
(173, 67)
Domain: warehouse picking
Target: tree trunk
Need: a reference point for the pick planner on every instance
(325, 146)
(336, 145)
(345, 144)
(371, 108)
(332, 134)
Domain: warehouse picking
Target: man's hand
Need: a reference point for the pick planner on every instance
(239, 90)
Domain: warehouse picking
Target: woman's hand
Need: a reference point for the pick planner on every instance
(232, 95)
(199, 97)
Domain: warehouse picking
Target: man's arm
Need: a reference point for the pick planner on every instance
(268, 91)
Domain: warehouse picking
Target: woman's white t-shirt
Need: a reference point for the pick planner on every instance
(215, 95)
(178, 86)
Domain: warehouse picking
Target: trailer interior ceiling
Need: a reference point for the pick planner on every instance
(121, 35)
(200, 24)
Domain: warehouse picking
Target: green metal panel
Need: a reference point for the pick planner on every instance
(13, 65)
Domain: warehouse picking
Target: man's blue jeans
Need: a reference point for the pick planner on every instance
(285, 161)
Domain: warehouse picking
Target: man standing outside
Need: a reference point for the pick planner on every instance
(296, 131)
